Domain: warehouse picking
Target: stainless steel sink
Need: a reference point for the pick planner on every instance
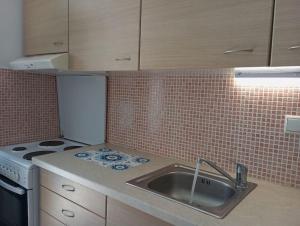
(214, 195)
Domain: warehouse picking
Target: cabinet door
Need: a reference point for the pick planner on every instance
(121, 214)
(45, 26)
(286, 35)
(104, 34)
(205, 33)
(47, 220)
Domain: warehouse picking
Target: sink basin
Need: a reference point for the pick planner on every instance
(214, 195)
(208, 191)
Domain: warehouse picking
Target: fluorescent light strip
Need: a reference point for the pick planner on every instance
(278, 77)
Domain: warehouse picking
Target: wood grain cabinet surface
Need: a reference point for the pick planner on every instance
(85, 197)
(286, 35)
(119, 214)
(104, 34)
(205, 33)
(63, 202)
(45, 26)
(66, 211)
(47, 220)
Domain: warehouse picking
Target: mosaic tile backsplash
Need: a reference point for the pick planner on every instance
(185, 114)
(28, 107)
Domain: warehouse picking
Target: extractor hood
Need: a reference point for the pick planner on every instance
(42, 62)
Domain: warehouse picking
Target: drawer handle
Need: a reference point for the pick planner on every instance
(123, 59)
(68, 187)
(294, 47)
(238, 51)
(68, 213)
(58, 43)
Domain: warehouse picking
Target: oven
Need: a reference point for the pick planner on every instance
(18, 192)
(13, 203)
(19, 181)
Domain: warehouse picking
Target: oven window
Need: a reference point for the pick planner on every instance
(13, 206)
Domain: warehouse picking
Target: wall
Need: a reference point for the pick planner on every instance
(28, 107)
(192, 113)
(10, 31)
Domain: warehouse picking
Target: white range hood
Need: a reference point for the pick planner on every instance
(42, 62)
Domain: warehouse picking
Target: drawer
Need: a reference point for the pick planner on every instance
(47, 220)
(66, 211)
(85, 197)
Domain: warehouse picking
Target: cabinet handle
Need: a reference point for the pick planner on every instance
(294, 47)
(58, 43)
(68, 187)
(123, 59)
(68, 213)
(238, 51)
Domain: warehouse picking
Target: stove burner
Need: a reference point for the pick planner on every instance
(19, 149)
(51, 143)
(71, 147)
(36, 153)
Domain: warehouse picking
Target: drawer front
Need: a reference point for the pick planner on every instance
(120, 214)
(89, 199)
(47, 220)
(66, 211)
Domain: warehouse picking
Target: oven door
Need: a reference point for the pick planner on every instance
(13, 203)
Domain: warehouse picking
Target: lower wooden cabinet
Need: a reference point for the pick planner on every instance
(66, 211)
(47, 220)
(85, 197)
(64, 202)
(119, 214)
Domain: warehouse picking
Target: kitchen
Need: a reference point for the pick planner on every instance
(112, 110)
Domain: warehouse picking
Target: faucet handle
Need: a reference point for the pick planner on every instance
(241, 176)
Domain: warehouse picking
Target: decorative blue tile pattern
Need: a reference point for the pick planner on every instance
(120, 167)
(111, 158)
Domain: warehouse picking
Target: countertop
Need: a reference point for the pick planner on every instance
(267, 205)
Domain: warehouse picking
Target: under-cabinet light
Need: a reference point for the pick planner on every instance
(280, 77)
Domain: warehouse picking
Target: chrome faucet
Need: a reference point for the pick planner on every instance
(241, 173)
(241, 176)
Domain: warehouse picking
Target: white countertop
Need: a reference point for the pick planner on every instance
(267, 205)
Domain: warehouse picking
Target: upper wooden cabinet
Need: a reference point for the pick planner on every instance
(45, 26)
(286, 35)
(104, 34)
(108, 35)
(205, 33)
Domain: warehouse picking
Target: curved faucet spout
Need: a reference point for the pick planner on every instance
(240, 182)
(217, 168)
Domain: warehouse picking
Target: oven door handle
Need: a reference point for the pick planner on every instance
(16, 190)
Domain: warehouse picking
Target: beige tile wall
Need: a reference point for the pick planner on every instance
(184, 114)
(28, 107)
